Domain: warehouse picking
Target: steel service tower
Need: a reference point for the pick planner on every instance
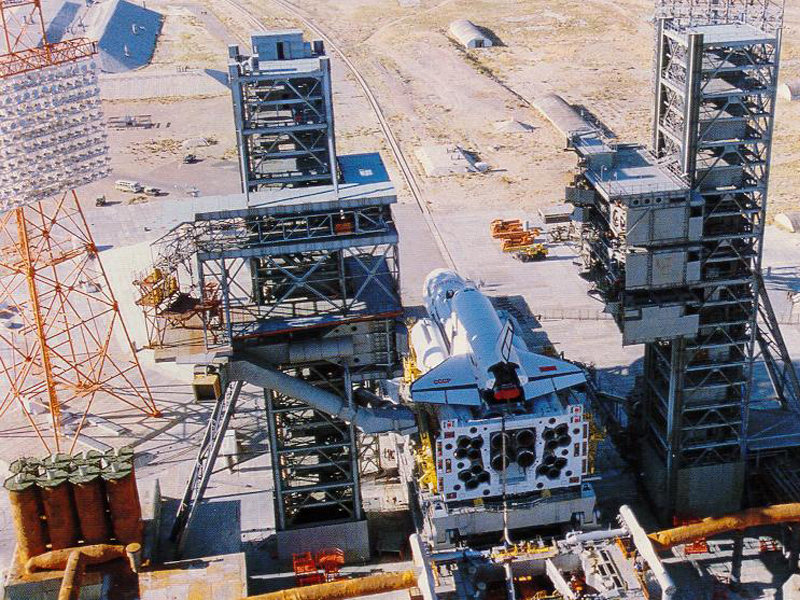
(673, 238)
(57, 363)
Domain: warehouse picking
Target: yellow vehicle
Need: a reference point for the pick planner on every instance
(531, 253)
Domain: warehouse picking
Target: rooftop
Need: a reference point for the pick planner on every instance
(633, 171)
(365, 182)
(733, 33)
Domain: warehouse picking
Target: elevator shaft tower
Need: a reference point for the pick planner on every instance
(716, 74)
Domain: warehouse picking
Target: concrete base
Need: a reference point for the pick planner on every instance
(701, 491)
(210, 578)
(44, 585)
(351, 537)
(791, 589)
(445, 527)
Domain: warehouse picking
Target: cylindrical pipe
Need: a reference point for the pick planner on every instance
(73, 576)
(306, 351)
(123, 502)
(648, 553)
(346, 588)
(428, 344)
(58, 508)
(400, 419)
(752, 517)
(56, 560)
(525, 459)
(524, 437)
(576, 537)
(90, 504)
(26, 515)
(134, 552)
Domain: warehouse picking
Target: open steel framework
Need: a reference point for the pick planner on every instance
(762, 14)
(57, 364)
(318, 273)
(715, 106)
(283, 112)
(315, 456)
(26, 47)
(266, 270)
(673, 242)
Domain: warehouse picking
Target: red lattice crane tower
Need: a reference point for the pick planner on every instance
(61, 330)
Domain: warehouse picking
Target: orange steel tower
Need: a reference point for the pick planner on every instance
(59, 319)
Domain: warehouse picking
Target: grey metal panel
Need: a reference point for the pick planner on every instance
(693, 271)
(717, 173)
(637, 226)
(352, 537)
(715, 128)
(658, 323)
(695, 229)
(637, 269)
(579, 196)
(668, 268)
(711, 489)
(669, 223)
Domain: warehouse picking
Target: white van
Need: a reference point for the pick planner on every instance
(128, 186)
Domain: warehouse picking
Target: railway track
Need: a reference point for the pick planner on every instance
(400, 158)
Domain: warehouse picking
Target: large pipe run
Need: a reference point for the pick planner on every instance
(305, 351)
(576, 537)
(73, 576)
(56, 560)
(400, 419)
(648, 553)
(752, 517)
(346, 588)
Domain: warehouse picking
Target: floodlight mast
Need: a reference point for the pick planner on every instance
(56, 359)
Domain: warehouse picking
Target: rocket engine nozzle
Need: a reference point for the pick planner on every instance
(506, 386)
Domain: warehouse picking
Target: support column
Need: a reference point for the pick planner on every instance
(736, 559)
(794, 547)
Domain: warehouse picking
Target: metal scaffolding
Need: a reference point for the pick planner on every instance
(715, 105)
(283, 112)
(766, 15)
(306, 282)
(305, 266)
(315, 456)
(677, 258)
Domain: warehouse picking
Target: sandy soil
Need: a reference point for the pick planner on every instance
(597, 54)
(185, 41)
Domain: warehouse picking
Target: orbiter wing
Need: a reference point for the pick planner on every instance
(450, 382)
(546, 375)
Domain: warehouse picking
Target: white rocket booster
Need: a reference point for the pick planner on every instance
(471, 355)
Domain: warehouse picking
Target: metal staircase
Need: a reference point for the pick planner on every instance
(204, 465)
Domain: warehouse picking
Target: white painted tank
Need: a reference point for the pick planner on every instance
(467, 319)
(789, 91)
(428, 344)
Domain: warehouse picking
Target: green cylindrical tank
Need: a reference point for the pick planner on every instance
(123, 501)
(62, 525)
(26, 514)
(90, 504)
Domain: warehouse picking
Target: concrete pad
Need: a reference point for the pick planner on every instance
(163, 84)
(221, 577)
(440, 161)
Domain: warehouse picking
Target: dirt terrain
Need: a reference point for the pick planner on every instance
(597, 54)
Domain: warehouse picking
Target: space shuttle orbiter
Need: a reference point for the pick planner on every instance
(470, 354)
